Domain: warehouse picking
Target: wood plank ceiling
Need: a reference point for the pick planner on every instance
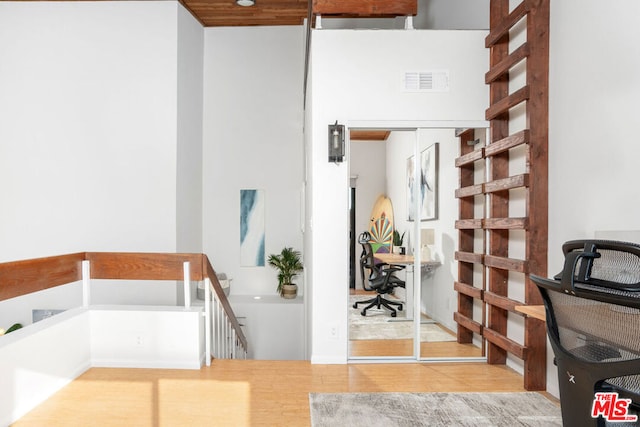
(225, 13)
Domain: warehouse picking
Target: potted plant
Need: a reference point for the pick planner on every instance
(397, 242)
(288, 264)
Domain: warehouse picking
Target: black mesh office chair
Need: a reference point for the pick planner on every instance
(593, 323)
(380, 278)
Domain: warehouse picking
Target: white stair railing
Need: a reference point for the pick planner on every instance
(225, 342)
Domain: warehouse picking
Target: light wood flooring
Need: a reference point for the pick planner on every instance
(404, 347)
(245, 392)
(395, 348)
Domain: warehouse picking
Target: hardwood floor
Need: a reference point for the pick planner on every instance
(395, 348)
(404, 347)
(245, 392)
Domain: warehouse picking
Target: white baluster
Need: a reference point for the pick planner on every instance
(207, 320)
(187, 284)
(86, 283)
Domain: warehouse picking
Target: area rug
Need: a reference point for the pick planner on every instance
(433, 409)
(378, 324)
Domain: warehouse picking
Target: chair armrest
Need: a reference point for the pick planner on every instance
(392, 268)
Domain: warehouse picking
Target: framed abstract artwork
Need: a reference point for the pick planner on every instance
(252, 228)
(428, 185)
(411, 167)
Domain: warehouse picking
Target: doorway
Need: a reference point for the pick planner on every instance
(425, 329)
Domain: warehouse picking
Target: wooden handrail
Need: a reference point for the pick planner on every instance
(18, 278)
(143, 266)
(32, 275)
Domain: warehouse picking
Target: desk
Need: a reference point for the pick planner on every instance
(536, 311)
(407, 261)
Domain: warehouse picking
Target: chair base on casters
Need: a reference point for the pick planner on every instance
(378, 302)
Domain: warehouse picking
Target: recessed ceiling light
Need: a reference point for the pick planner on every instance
(245, 2)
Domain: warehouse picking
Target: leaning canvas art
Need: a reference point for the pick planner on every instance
(252, 228)
(429, 183)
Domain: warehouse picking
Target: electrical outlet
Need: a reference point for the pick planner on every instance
(333, 332)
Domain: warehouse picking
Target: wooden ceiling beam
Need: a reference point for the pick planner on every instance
(369, 135)
(365, 8)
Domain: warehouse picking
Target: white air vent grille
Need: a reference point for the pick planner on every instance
(426, 81)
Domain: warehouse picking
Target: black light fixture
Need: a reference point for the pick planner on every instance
(245, 2)
(336, 143)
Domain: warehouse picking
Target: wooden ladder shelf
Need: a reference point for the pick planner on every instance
(503, 215)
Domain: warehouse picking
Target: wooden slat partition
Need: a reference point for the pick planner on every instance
(506, 64)
(498, 339)
(507, 183)
(502, 302)
(505, 223)
(502, 107)
(469, 290)
(507, 143)
(502, 22)
(467, 224)
(499, 267)
(468, 257)
(472, 190)
(468, 325)
(469, 158)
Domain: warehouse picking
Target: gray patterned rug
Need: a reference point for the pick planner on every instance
(433, 409)
(379, 325)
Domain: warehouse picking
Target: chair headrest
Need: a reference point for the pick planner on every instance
(601, 270)
(364, 237)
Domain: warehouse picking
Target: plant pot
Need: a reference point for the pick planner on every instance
(289, 291)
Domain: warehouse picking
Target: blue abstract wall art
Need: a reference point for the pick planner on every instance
(252, 228)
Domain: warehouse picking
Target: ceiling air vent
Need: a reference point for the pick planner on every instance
(426, 81)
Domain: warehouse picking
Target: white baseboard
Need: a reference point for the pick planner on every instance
(144, 364)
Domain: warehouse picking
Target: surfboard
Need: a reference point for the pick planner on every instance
(381, 225)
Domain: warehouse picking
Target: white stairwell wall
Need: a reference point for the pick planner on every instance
(38, 360)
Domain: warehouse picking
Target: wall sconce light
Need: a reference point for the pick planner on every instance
(336, 143)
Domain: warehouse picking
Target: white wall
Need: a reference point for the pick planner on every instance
(252, 139)
(147, 337)
(88, 127)
(100, 130)
(346, 93)
(449, 15)
(37, 361)
(273, 326)
(593, 105)
(189, 154)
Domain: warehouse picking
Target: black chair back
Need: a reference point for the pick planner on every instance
(593, 324)
(367, 262)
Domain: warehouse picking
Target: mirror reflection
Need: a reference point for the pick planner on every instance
(403, 240)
